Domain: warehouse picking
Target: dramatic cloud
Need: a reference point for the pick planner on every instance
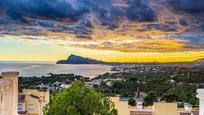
(140, 10)
(191, 6)
(54, 9)
(121, 25)
(74, 10)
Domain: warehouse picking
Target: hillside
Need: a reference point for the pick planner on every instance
(74, 59)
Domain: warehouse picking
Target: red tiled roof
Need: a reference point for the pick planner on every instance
(141, 113)
(188, 113)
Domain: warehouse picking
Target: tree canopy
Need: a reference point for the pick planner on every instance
(150, 98)
(80, 99)
(131, 102)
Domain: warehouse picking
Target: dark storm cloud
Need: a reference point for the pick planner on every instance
(54, 9)
(191, 6)
(140, 10)
(46, 13)
(73, 10)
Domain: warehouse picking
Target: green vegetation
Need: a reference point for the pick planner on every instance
(150, 98)
(79, 99)
(131, 102)
(34, 82)
(170, 84)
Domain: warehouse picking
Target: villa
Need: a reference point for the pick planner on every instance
(32, 101)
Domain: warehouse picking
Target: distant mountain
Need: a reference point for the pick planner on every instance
(74, 59)
(201, 61)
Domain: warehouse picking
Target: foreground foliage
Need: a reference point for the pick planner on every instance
(79, 99)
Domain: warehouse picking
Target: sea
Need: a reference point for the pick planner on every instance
(29, 69)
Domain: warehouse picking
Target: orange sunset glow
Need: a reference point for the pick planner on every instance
(115, 31)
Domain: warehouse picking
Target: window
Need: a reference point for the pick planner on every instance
(31, 107)
(20, 107)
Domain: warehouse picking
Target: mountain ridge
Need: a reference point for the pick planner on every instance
(75, 59)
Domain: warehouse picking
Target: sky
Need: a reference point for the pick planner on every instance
(108, 30)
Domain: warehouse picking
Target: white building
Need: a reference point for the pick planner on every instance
(200, 95)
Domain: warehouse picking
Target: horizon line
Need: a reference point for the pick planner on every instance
(30, 61)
